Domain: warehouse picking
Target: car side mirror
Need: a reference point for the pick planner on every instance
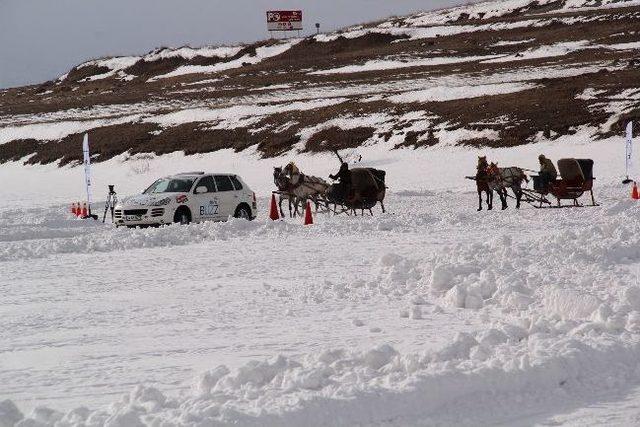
(201, 189)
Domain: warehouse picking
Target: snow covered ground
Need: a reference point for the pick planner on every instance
(431, 314)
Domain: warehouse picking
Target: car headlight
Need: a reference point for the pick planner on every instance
(162, 202)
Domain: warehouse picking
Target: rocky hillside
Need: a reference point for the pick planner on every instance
(500, 73)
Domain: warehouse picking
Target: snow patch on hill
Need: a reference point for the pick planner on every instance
(58, 130)
(390, 64)
(448, 93)
(118, 64)
(502, 8)
(262, 53)
(237, 116)
(187, 52)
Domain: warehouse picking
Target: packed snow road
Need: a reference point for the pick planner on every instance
(430, 314)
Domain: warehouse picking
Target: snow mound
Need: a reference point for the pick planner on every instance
(371, 386)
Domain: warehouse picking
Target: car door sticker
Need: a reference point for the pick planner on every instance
(209, 209)
(182, 199)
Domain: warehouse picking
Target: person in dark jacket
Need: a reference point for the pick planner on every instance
(548, 171)
(344, 180)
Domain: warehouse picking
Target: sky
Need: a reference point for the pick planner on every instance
(42, 39)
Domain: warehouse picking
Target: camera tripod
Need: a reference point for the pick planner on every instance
(110, 204)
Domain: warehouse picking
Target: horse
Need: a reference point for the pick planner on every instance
(482, 183)
(503, 178)
(304, 187)
(283, 185)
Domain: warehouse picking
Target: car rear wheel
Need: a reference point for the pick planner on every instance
(243, 212)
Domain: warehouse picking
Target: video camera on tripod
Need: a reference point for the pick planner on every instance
(110, 204)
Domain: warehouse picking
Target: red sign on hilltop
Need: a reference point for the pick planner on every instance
(284, 20)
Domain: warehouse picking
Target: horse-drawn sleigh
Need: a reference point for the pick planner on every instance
(576, 179)
(356, 189)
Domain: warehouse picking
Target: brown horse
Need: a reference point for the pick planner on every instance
(482, 183)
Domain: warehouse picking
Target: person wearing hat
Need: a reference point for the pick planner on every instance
(548, 171)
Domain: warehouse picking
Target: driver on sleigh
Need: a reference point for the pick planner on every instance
(548, 172)
(292, 171)
(344, 181)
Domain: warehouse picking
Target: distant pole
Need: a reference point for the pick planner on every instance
(317, 28)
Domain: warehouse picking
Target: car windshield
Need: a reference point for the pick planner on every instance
(170, 185)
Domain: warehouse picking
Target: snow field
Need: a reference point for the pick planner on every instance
(429, 306)
(430, 296)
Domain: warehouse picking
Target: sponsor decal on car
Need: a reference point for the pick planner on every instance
(210, 209)
(182, 199)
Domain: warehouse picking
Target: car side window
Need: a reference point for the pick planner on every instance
(207, 181)
(223, 182)
(236, 183)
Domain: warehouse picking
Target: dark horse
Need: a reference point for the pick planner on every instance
(482, 183)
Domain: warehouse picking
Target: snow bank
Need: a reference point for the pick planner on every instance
(92, 237)
(378, 385)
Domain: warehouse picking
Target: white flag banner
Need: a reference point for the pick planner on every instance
(629, 147)
(87, 167)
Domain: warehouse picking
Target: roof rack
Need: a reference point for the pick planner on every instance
(191, 173)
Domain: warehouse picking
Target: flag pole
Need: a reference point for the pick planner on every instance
(87, 173)
(628, 151)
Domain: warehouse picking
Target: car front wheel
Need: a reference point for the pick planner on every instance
(243, 212)
(182, 216)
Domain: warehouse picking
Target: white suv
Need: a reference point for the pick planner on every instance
(188, 197)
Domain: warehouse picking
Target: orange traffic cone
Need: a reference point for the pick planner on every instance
(634, 192)
(78, 210)
(273, 210)
(308, 218)
(73, 209)
(84, 213)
